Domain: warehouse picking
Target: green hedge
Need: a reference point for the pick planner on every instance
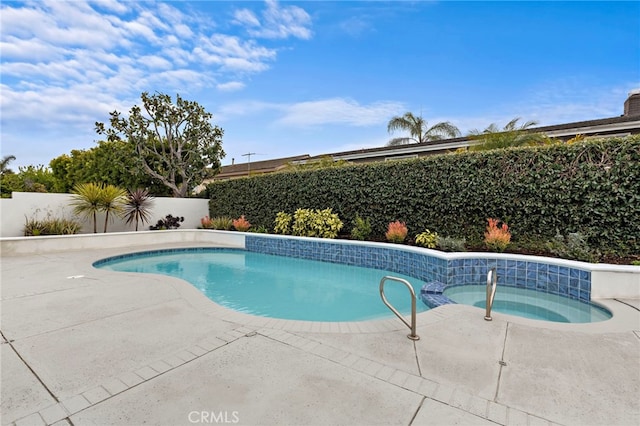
(589, 187)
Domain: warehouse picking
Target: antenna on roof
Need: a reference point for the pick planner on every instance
(248, 155)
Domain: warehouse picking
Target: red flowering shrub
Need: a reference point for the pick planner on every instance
(396, 232)
(497, 238)
(241, 224)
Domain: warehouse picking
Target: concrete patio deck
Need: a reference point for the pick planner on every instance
(84, 346)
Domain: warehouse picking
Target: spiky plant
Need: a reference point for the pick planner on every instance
(87, 201)
(4, 164)
(510, 135)
(137, 206)
(112, 200)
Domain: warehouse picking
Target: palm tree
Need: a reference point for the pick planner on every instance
(137, 206)
(87, 201)
(418, 130)
(112, 200)
(510, 135)
(4, 163)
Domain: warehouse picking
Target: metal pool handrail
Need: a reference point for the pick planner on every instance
(412, 326)
(492, 283)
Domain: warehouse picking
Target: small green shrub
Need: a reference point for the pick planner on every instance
(451, 244)
(316, 223)
(361, 228)
(427, 239)
(574, 246)
(282, 223)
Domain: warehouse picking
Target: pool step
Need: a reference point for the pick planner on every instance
(431, 295)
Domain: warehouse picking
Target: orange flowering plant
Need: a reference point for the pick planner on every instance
(497, 236)
(396, 232)
(241, 224)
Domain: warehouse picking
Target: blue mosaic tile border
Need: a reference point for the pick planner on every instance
(563, 280)
(425, 268)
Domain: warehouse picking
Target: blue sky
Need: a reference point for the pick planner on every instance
(309, 77)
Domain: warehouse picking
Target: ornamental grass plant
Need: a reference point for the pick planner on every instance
(396, 232)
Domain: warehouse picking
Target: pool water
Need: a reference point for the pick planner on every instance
(278, 286)
(529, 304)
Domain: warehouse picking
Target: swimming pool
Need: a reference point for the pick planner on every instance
(529, 303)
(277, 286)
(570, 280)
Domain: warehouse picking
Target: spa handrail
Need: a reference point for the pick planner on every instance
(412, 326)
(492, 283)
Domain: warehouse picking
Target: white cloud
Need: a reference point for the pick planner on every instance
(564, 101)
(183, 31)
(247, 107)
(234, 54)
(230, 86)
(141, 29)
(67, 64)
(60, 57)
(71, 108)
(56, 72)
(339, 111)
(355, 26)
(156, 62)
(277, 22)
(33, 49)
(246, 17)
(111, 5)
(180, 81)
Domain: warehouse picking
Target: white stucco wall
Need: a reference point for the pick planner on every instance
(57, 243)
(15, 211)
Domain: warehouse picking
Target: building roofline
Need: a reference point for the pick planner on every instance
(603, 125)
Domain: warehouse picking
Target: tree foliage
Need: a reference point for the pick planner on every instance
(174, 143)
(110, 162)
(418, 129)
(28, 179)
(510, 135)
